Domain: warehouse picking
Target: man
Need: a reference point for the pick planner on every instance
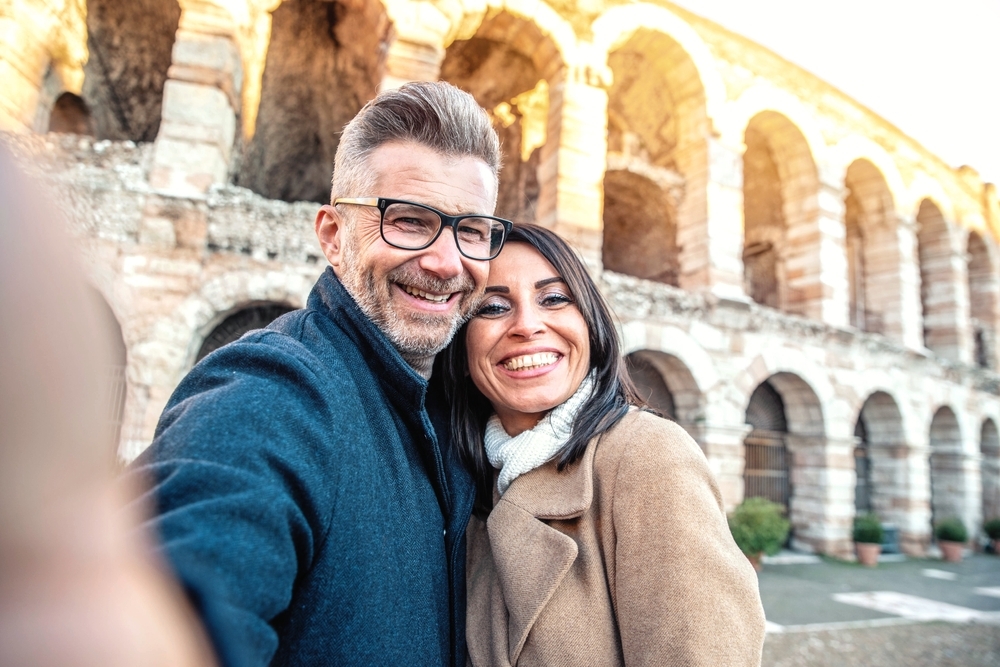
(306, 494)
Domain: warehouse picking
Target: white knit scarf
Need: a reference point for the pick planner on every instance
(514, 456)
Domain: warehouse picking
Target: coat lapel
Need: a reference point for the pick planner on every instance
(531, 557)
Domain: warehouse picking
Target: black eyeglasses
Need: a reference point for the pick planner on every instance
(410, 226)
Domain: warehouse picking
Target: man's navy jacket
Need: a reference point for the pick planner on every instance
(306, 501)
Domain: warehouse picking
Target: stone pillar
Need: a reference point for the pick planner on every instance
(914, 509)
(411, 60)
(201, 100)
(902, 322)
(35, 34)
(816, 260)
(710, 219)
(574, 158)
(723, 447)
(946, 301)
(822, 502)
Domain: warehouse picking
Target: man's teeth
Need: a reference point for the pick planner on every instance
(436, 298)
(531, 361)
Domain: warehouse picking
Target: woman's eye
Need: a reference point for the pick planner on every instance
(556, 299)
(492, 309)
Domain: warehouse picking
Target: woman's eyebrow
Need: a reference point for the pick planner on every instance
(497, 289)
(548, 281)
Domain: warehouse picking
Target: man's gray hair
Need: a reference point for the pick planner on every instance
(434, 114)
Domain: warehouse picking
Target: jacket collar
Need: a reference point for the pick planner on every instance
(531, 557)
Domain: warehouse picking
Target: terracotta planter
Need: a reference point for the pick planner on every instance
(755, 561)
(868, 553)
(952, 551)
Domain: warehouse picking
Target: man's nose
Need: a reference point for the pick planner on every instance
(442, 257)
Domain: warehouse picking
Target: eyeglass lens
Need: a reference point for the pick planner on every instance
(412, 227)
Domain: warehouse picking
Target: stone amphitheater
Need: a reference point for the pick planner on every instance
(807, 290)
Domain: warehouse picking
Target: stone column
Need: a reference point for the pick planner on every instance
(574, 158)
(411, 60)
(201, 100)
(946, 304)
(822, 502)
(723, 447)
(901, 316)
(816, 260)
(710, 219)
(34, 35)
(914, 509)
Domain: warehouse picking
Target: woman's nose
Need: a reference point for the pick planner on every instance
(527, 323)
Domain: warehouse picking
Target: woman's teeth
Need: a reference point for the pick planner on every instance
(531, 361)
(436, 298)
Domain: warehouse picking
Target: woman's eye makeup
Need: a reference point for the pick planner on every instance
(555, 299)
(492, 308)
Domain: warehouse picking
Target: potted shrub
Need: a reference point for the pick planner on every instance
(951, 536)
(992, 530)
(758, 528)
(868, 536)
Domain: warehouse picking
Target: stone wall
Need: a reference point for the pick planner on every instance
(754, 228)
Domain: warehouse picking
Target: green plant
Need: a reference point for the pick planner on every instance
(992, 528)
(950, 530)
(758, 526)
(868, 529)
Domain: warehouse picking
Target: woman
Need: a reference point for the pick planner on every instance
(599, 536)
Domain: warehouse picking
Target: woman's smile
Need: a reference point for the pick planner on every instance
(528, 344)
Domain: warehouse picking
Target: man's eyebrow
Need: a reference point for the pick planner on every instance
(548, 281)
(497, 289)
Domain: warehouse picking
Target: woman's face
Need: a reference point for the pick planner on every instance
(528, 344)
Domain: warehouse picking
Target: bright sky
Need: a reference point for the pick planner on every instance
(932, 69)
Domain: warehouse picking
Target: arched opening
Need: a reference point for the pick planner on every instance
(882, 462)
(874, 293)
(70, 115)
(115, 380)
(248, 318)
(325, 60)
(947, 480)
(768, 464)
(130, 46)
(982, 301)
(653, 202)
(938, 291)
(989, 447)
(640, 237)
(505, 66)
(780, 190)
(667, 385)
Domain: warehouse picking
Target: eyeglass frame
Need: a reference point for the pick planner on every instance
(383, 203)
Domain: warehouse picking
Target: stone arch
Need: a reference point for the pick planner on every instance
(116, 379)
(989, 448)
(617, 25)
(883, 467)
(640, 230)
(232, 325)
(780, 204)
(939, 286)
(506, 65)
(70, 115)
(854, 148)
(641, 335)
(667, 384)
(657, 129)
(130, 47)
(324, 61)
(873, 260)
(983, 297)
(946, 469)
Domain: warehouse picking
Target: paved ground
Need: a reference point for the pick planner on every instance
(912, 613)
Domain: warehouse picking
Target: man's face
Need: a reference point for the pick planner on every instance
(419, 298)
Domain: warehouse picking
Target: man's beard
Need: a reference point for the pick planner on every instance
(414, 334)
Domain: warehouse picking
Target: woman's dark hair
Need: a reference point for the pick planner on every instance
(613, 389)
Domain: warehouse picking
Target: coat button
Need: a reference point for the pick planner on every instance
(445, 532)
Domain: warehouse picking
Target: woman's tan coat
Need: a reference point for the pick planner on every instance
(624, 558)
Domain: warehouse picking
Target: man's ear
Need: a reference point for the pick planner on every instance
(330, 232)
